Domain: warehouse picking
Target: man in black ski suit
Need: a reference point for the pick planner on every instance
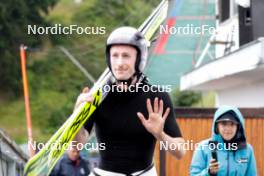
(130, 121)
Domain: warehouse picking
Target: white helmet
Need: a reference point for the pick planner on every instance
(129, 36)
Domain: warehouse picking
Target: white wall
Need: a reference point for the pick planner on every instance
(251, 95)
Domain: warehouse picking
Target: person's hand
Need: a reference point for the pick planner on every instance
(213, 166)
(155, 122)
(83, 97)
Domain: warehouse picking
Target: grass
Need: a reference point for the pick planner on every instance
(65, 9)
(13, 121)
(13, 118)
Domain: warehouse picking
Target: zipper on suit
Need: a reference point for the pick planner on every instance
(228, 163)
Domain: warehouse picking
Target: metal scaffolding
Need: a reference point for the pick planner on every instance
(12, 158)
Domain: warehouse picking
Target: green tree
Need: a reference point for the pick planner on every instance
(15, 15)
(185, 98)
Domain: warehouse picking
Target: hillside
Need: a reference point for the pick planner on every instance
(54, 82)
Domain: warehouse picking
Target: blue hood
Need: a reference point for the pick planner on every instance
(222, 110)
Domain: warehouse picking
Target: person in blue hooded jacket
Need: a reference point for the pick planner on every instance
(235, 157)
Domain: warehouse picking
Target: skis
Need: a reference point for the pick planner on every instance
(44, 161)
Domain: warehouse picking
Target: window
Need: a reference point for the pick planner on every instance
(224, 10)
